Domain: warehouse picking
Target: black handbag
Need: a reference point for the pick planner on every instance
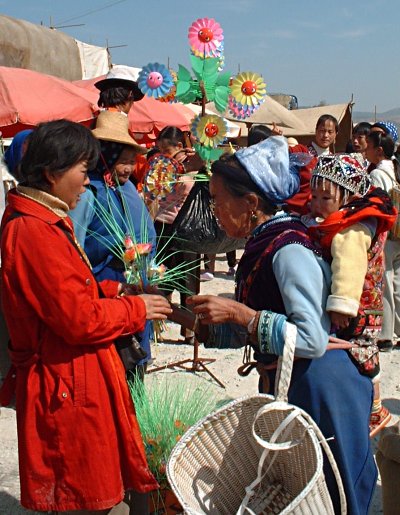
(196, 228)
(130, 351)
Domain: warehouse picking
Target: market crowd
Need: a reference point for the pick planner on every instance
(78, 329)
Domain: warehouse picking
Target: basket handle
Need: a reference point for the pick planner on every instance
(283, 429)
(282, 383)
(285, 364)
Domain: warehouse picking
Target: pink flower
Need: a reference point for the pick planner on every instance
(143, 248)
(128, 242)
(129, 255)
(205, 36)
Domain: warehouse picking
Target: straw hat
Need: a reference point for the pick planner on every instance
(121, 76)
(113, 126)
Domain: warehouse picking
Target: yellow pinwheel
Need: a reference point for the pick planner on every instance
(248, 88)
(210, 130)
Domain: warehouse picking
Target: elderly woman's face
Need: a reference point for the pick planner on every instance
(125, 165)
(233, 213)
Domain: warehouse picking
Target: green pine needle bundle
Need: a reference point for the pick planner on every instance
(165, 409)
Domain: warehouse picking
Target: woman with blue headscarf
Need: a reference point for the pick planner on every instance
(282, 288)
(15, 151)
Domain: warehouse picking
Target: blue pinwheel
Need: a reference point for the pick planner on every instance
(155, 80)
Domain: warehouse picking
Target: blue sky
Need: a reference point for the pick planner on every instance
(312, 49)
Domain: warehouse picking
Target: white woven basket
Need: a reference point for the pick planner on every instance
(257, 455)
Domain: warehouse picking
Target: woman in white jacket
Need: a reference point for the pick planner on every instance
(380, 152)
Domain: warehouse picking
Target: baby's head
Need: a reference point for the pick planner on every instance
(336, 179)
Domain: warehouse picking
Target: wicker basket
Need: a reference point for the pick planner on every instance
(258, 455)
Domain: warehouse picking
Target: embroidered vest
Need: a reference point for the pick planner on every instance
(368, 322)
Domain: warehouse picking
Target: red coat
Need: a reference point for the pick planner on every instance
(79, 442)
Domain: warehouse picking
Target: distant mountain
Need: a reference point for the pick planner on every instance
(393, 115)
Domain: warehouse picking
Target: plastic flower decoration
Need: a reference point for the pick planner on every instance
(210, 130)
(241, 111)
(155, 80)
(248, 88)
(171, 95)
(132, 251)
(205, 36)
(161, 176)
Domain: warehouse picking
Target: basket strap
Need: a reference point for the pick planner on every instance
(283, 429)
(282, 383)
(271, 445)
(332, 462)
(285, 364)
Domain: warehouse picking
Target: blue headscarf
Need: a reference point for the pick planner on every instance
(13, 154)
(272, 169)
(389, 128)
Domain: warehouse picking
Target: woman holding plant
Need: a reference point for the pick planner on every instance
(79, 442)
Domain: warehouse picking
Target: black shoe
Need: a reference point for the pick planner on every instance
(385, 345)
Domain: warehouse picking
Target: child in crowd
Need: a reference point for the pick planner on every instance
(359, 141)
(349, 219)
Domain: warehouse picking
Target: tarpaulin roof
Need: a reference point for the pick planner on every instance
(45, 50)
(28, 98)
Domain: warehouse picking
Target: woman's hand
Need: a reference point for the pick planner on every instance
(133, 289)
(339, 319)
(211, 309)
(157, 307)
(276, 131)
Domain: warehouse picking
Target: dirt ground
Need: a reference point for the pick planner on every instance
(224, 368)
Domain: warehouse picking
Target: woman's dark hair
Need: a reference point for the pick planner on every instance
(113, 97)
(55, 147)
(362, 129)
(379, 139)
(396, 163)
(327, 118)
(172, 136)
(258, 133)
(238, 182)
(152, 152)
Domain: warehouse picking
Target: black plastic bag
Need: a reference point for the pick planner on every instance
(196, 228)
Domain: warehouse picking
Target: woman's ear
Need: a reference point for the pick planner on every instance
(252, 200)
(49, 177)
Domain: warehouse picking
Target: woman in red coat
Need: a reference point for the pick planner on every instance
(79, 442)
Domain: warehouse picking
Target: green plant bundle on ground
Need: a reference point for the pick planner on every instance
(165, 409)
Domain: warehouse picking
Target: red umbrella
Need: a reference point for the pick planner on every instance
(28, 98)
(148, 115)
